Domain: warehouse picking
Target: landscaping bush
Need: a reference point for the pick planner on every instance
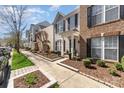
(87, 62)
(101, 63)
(119, 66)
(56, 85)
(122, 60)
(113, 72)
(31, 79)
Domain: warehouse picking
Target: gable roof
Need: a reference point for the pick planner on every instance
(59, 16)
(44, 23)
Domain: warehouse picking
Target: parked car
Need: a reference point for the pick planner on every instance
(3, 66)
(6, 51)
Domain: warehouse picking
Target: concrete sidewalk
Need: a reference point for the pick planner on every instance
(65, 77)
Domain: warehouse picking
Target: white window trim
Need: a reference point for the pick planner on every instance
(103, 49)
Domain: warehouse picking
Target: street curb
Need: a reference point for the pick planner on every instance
(69, 67)
(91, 77)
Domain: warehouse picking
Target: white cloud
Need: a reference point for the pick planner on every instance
(77, 7)
(36, 11)
(54, 7)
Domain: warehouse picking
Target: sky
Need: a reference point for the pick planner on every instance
(39, 13)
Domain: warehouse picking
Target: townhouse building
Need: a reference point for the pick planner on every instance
(91, 31)
(102, 31)
(67, 30)
(34, 28)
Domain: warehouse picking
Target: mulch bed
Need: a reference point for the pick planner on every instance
(99, 72)
(51, 55)
(42, 80)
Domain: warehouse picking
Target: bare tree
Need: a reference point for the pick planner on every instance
(14, 18)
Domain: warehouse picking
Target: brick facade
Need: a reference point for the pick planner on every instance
(108, 29)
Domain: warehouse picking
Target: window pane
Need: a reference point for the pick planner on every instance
(110, 6)
(111, 54)
(111, 42)
(96, 42)
(72, 22)
(111, 14)
(96, 53)
(97, 19)
(97, 9)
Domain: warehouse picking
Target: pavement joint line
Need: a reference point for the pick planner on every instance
(68, 78)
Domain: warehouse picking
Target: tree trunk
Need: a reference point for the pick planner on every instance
(17, 43)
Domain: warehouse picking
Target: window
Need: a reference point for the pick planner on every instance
(104, 13)
(96, 47)
(97, 14)
(58, 45)
(111, 12)
(105, 48)
(60, 26)
(111, 47)
(72, 22)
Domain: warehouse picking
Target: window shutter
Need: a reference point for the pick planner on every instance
(56, 46)
(76, 20)
(88, 47)
(122, 11)
(63, 25)
(56, 28)
(89, 11)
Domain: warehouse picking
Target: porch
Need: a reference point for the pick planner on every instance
(70, 43)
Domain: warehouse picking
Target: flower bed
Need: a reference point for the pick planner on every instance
(33, 80)
(101, 73)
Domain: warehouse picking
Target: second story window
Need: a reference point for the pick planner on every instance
(98, 14)
(111, 12)
(60, 26)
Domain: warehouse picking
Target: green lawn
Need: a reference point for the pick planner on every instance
(20, 61)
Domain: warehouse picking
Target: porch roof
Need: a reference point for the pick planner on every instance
(70, 33)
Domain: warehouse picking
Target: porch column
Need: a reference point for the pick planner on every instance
(62, 49)
(72, 46)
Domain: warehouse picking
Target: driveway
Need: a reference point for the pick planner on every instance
(65, 77)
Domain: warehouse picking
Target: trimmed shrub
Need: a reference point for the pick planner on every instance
(113, 72)
(101, 63)
(122, 60)
(87, 62)
(119, 66)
